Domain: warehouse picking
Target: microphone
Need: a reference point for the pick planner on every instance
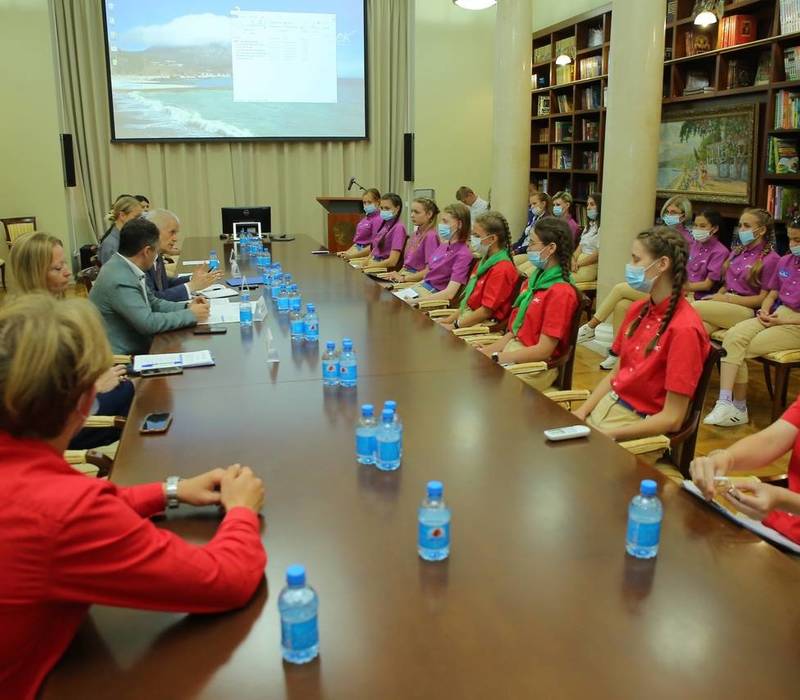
(351, 183)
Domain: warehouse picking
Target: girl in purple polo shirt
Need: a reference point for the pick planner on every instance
(450, 265)
(365, 229)
(562, 208)
(390, 238)
(677, 212)
(707, 255)
(421, 246)
(775, 327)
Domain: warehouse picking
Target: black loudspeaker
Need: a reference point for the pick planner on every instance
(408, 157)
(69, 160)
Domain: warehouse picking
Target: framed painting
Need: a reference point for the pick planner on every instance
(708, 155)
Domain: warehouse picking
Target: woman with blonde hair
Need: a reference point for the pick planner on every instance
(124, 209)
(677, 213)
(38, 264)
(69, 541)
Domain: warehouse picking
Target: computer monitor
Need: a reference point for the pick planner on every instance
(236, 215)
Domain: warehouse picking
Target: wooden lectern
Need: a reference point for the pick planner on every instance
(344, 213)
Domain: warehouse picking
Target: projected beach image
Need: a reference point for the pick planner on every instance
(185, 69)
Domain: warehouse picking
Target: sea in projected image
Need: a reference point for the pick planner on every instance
(204, 108)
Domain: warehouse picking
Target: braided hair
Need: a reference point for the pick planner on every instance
(764, 219)
(664, 242)
(553, 229)
(431, 208)
(495, 224)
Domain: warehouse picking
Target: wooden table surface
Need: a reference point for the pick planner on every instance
(538, 598)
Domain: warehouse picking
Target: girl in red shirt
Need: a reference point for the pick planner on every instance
(490, 288)
(539, 325)
(661, 345)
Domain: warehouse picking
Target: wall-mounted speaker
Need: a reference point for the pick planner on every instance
(68, 155)
(408, 157)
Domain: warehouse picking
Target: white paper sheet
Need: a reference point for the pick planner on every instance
(407, 294)
(194, 262)
(218, 291)
(198, 358)
(223, 313)
(759, 528)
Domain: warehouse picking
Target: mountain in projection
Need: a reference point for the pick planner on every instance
(175, 61)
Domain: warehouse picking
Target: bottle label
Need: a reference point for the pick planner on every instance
(644, 534)
(349, 373)
(365, 445)
(300, 635)
(312, 329)
(297, 327)
(330, 370)
(434, 537)
(389, 451)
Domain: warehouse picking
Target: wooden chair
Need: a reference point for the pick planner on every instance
(90, 462)
(431, 305)
(16, 226)
(566, 362)
(87, 277)
(589, 290)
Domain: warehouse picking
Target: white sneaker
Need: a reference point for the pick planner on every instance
(610, 362)
(585, 333)
(726, 415)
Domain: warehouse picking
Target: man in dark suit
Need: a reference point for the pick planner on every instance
(181, 287)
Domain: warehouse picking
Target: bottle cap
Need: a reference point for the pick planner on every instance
(387, 416)
(347, 344)
(391, 405)
(649, 487)
(368, 410)
(292, 287)
(330, 346)
(435, 489)
(296, 575)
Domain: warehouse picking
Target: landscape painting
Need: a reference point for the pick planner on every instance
(708, 155)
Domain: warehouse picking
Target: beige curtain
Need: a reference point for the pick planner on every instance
(195, 179)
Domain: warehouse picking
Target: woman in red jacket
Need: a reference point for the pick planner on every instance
(70, 541)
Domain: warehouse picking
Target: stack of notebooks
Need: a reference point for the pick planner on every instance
(697, 83)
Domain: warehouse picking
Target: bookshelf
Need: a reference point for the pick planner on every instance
(746, 66)
(568, 106)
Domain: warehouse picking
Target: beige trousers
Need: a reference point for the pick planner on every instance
(587, 273)
(618, 302)
(608, 414)
(539, 380)
(750, 338)
(721, 314)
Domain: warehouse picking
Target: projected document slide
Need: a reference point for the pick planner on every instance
(206, 69)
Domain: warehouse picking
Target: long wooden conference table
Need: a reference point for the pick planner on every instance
(538, 598)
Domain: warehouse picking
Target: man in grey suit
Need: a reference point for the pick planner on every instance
(163, 286)
(131, 314)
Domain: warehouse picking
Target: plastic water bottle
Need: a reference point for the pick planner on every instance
(392, 406)
(264, 260)
(366, 429)
(312, 324)
(297, 323)
(644, 522)
(266, 279)
(330, 365)
(388, 444)
(283, 299)
(295, 300)
(348, 365)
(433, 529)
(245, 308)
(298, 605)
(277, 280)
(213, 260)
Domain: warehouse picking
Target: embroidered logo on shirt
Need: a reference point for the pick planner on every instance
(784, 273)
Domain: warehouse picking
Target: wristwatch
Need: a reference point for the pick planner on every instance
(171, 490)
(455, 324)
(495, 357)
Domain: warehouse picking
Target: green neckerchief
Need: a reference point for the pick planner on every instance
(483, 268)
(544, 280)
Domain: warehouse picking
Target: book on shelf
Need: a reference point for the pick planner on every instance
(566, 46)
(590, 160)
(564, 103)
(543, 106)
(696, 83)
(540, 183)
(590, 130)
(790, 16)
(735, 30)
(791, 62)
(565, 74)
(594, 37)
(591, 67)
(563, 131)
(562, 158)
(783, 202)
(584, 188)
(696, 42)
(542, 135)
(542, 160)
(605, 96)
(590, 97)
(741, 73)
(672, 9)
(787, 110)
(540, 78)
(764, 68)
(782, 156)
(541, 54)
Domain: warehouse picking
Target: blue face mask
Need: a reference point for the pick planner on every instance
(370, 208)
(386, 215)
(700, 235)
(746, 236)
(445, 232)
(557, 210)
(671, 219)
(591, 214)
(635, 277)
(535, 259)
(795, 250)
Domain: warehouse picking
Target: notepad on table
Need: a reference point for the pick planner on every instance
(199, 358)
(407, 294)
(728, 510)
(218, 291)
(194, 262)
(249, 281)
